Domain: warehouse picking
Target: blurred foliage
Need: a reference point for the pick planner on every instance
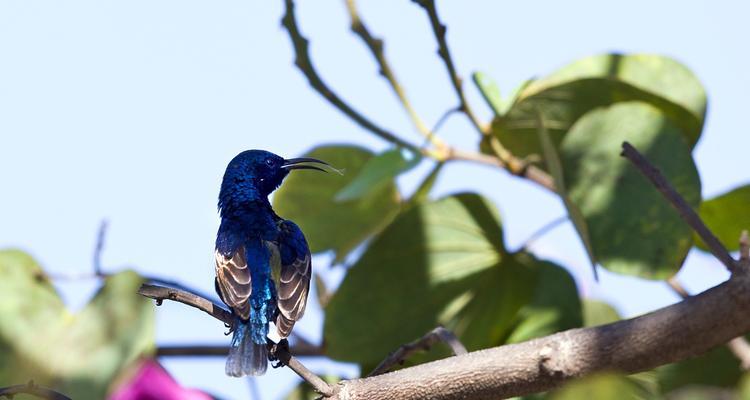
(303, 390)
(597, 312)
(605, 386)
(77, 354)
(726, 215)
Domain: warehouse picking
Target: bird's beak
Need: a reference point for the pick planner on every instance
(303, 163)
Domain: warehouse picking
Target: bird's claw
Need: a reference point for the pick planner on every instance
(230, 329)
(275, 348)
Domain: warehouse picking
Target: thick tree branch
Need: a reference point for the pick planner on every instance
(424, 343)
(282, 353)
(32, 389)
(671, 334)
(679, 203)
(738, 346)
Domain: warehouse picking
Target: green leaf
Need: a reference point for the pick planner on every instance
(421, 271)
(598, 313)
(378, 172)
(552, 159)
(633, 229)
(603, 386)
(76, 354)
(554, 307)
(724, 371)
(567, 94)
(307, 198)
(489, 90)
(727, 216)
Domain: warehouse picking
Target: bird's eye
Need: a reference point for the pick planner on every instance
(269, 162)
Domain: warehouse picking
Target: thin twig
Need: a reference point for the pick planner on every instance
(32, 389)
(160, 293)
(443, 118)
(376, 45)
(99, 247)
(679, 203)
(424, 343)
(739, 346)
(303, 62)
(528, 171)
(544, 230)
(439, 30)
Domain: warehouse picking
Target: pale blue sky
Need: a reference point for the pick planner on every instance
(130, 110)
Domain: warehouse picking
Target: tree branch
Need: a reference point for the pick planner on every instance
(738, 346)
(282, 353)
(678, 202)
(298, 348)
(32, 389)
(376, 48)
(303, 62)
(439, 30)
(437, 335)
(671, 334)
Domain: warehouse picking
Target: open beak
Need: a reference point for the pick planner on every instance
(303, 163)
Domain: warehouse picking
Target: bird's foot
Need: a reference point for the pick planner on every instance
(230, 329)
(281, 348)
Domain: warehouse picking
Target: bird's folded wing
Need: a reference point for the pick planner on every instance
(294, 277)
(233, 281)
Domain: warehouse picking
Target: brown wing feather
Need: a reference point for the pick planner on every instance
(294, 282)
(233, 281)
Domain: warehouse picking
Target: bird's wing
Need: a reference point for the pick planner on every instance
(294, 277)
(233, 281)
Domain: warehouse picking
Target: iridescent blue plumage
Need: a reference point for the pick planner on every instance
(251, 237)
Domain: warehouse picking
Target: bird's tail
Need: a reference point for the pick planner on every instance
(245, 356)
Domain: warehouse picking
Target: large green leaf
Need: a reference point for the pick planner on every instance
(307, 198)
(555, 305)
(431, 264)
(567, 94)
(77, 354)
(727, 216)
(633, 230)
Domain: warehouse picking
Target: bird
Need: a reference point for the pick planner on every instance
(263, 262)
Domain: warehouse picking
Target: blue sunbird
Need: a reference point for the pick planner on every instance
(263, 266)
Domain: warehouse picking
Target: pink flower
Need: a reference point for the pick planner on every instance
(152, 382)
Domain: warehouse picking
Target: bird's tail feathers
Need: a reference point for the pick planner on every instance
(245, 356)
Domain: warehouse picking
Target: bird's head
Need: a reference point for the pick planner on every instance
(254, 174)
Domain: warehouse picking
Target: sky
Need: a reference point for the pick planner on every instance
(130, 111)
